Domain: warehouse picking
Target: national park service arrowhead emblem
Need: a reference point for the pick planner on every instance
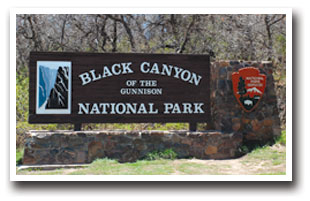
(249, 87)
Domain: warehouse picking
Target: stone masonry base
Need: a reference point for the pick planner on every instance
(73, 147)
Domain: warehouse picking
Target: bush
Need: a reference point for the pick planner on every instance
(19, 156)
(282, 138)
(166, 154)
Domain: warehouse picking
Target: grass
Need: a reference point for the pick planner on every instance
(41, 172)
(273, 173)
(194, 168)
(266, 153)
(262, 161)
(269, 157)
(112, 167)
(144, 167)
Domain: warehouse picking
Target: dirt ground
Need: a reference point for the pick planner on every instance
(240, 166)
(245, 165)
(269, 160)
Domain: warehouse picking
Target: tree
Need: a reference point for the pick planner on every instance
(241, 87)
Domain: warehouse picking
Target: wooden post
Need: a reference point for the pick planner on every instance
(210, 126)
(77, 127)
(192, 126)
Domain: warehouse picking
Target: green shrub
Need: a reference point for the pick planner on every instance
(166, 154)
(244, 149)
(282, 138)
(19, 156)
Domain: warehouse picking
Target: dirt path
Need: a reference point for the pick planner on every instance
(260, 163)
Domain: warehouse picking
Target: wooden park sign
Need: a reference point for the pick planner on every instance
(118, 88)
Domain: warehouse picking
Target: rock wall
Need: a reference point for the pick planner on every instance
(259, 126)
(68, 147)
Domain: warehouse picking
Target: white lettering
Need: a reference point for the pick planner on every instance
(145, 67)
(104, 107)
(139, 108)
(94, 75)
(152, 111)
(187, 108)
(106, 72)
(198, 108)
(176, 109)
(82, 107)
(168, 106)
(95, 109)
(154, 69)
(112, 108)
(166, 71)
(142, 67)
(120, 111)
(85, 78)
(195, 78)
(142, 109)
(131, 108)
(116, 72)
(185, 77)
(126, 68)
(177, 71)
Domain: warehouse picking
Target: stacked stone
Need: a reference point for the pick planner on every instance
(73, 147)
(259, 126)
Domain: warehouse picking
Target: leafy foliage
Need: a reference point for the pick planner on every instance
(166, 154)
(19, 156)
(282, 138)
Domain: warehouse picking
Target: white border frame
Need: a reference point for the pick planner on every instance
(54, 111)
(158, 10)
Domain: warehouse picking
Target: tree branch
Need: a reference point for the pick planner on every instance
(186, 35)
(126, 26)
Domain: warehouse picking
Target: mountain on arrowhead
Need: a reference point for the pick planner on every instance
(58, 97)
(254, 90)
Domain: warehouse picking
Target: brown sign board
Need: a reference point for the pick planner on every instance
(118, 88)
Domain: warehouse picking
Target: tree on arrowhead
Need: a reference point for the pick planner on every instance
(241, 87)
